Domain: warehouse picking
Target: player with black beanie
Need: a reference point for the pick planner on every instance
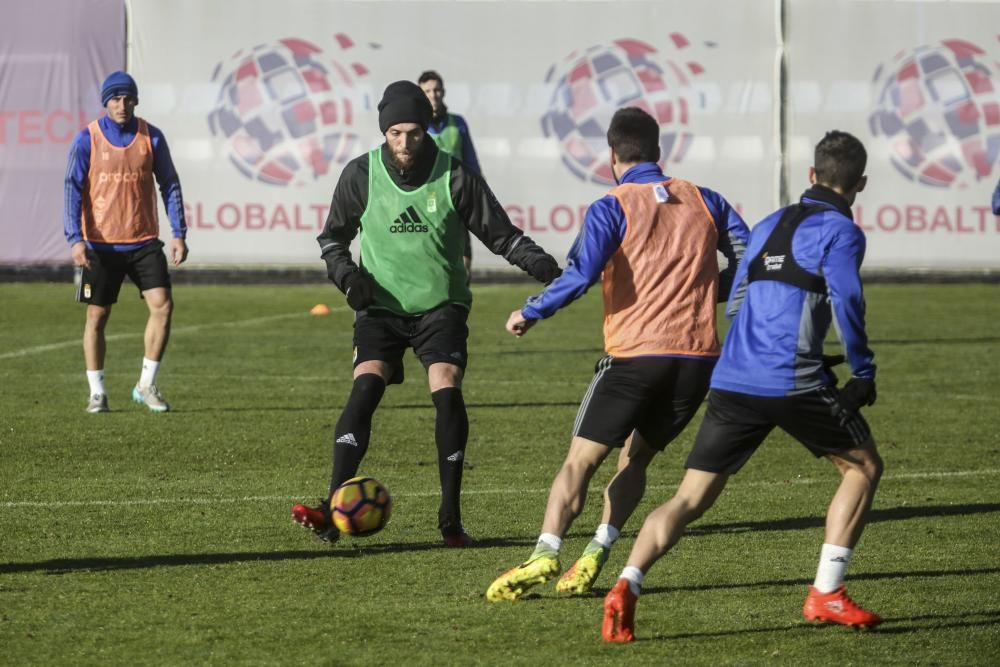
(411, 205)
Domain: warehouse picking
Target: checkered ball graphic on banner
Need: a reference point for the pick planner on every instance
(937, 113)
(589, 86)
(287, 112)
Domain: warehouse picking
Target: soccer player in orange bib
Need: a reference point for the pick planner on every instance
(652, 242)
(111, 224)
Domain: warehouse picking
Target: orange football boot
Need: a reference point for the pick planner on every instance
(837, 607)
(619, 614)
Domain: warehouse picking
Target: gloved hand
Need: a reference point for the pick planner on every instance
(856, 393)
(545, 271)
(359, 290)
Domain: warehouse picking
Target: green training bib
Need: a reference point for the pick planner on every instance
(412, 242)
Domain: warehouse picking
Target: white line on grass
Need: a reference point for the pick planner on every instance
(469, 492)
(193, 328)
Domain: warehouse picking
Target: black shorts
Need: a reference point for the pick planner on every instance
(736, 424)
(101, 283)
(440, 335)
(656, 396)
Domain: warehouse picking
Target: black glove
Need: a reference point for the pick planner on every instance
(856, 393)
(358, 288)
(545, 271)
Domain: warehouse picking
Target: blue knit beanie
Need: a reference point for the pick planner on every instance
(118, 83)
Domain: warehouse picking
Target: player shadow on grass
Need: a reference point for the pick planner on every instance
(804, 581)
(893, 626)
(351, 549)
(346, 548)
(956, 340)
(875, 516)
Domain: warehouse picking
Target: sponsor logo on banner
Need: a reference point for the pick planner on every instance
(589, 86)
(937, 113)
(286, 110)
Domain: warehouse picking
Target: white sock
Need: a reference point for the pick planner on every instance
(833, 561)
(550, 540)
(148, 375)
(634, 576)
(606, 535)
(96, 380)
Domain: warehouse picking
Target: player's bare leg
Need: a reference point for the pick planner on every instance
(626, 488)
(621, 497)
(827, 601)
(94, 350)
(155, 338)
(661, 530)
(860, 469)
(568, 493)
(566, 500)
(157, 333)
(94, 342)
(664, 526)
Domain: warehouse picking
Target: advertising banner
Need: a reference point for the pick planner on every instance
(263, 104)
(54, 54)
(919, 84)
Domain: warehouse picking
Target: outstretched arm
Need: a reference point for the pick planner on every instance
(477, 206)
(601, 235)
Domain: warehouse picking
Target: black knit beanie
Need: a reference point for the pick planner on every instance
(403, 102)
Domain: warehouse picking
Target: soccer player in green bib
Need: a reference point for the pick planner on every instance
(411, 203)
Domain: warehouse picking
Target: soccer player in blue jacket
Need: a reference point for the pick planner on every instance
(800, 274)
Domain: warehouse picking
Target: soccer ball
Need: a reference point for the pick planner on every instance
(360, 506)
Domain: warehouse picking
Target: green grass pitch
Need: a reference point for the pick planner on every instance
(138, 539)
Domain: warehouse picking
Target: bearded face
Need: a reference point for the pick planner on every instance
(405, 141)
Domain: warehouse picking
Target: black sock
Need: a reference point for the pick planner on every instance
(451, 432)
(354, 428)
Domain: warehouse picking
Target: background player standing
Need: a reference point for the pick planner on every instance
(451, 133)
(112, 226)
